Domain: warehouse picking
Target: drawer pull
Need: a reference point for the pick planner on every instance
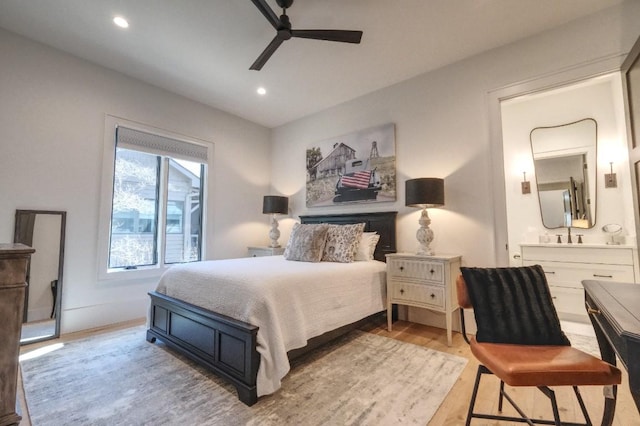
(433, 296)
(602, 276)
(402, 268)
(549, 272)
(432, 271)
(591, 310)
(402, 291)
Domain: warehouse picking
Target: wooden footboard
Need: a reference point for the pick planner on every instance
(222, 344)
(228, 346)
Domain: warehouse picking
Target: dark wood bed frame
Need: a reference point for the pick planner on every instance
(227, 346)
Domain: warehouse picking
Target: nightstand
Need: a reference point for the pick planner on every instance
(264, 251)
(427, 282)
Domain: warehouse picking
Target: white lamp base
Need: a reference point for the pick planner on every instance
(274, 233)
(425, 234)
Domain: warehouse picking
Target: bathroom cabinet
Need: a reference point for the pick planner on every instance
(566, 265)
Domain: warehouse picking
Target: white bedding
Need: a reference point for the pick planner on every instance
(290, 301)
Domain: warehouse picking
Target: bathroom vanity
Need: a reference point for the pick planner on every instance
(566, 265)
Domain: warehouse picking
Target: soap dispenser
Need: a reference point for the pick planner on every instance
(544, 239)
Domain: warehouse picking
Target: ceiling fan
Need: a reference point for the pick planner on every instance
(284, 31)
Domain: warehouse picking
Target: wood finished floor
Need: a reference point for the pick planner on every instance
(453, 410)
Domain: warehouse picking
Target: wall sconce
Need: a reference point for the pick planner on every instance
(526, 185)
(610, 179)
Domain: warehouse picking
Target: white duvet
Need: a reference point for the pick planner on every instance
(289, 301)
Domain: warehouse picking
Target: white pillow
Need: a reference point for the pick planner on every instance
(367, 246)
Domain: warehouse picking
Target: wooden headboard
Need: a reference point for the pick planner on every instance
(384, 223)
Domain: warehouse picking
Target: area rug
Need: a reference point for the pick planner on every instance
(119, 378)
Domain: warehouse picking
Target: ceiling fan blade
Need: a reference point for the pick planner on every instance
(266, 54)
(329, 35)
(268, 13)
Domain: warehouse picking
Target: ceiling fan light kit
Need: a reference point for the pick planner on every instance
(284, 32)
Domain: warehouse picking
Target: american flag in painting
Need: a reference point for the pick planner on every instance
(359, 180)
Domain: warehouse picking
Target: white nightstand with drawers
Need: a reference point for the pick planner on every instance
(425, 282)
(264, 251)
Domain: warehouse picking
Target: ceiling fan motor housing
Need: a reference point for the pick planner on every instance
(285, 4)
(284, 29)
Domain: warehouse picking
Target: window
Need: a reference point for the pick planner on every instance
(157, 201)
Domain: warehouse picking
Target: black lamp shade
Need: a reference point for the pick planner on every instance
(424, 192)
(275, 204)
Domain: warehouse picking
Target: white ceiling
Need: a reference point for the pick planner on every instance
(202, 49)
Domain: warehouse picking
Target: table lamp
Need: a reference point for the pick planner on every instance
(423, 193)
(273, 205)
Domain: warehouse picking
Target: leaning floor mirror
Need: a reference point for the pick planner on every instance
(44, 231)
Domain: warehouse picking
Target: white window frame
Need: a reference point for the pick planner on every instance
(106, 200)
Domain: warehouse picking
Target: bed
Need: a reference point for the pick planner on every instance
(228, 346)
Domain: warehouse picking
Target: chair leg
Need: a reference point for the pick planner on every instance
(610, 397)
(481, 370)
(582, 406)
(554, 404)
(524, 418)
(607, 418)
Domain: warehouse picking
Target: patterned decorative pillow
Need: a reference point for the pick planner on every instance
(367, 246)
(342, 243)
(306, 242)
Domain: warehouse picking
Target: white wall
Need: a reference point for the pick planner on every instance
(443, 129)
(52, 114)
(598, 98)
(52, 118)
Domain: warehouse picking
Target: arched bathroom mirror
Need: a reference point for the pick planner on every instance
(44, 231)
(564, 157)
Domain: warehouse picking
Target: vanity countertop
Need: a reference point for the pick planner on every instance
(576, 245)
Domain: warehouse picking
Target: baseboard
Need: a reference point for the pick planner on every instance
(103, 315)
(431, 318)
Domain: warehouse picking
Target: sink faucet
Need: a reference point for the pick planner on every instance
(569, 235)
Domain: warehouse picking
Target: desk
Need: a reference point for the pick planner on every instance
(614, 311)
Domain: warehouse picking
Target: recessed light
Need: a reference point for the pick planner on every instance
(121, 22)
(261, 91)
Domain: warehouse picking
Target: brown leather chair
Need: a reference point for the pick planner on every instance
(541, 366)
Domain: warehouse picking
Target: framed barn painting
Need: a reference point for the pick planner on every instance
(359, 167)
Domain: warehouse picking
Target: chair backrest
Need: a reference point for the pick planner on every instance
(463, 294)
(465, 303)
(511, 305)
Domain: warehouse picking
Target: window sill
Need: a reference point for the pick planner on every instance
(131, 274)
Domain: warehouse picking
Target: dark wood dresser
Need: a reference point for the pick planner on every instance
(14, 260)
(614, 310)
